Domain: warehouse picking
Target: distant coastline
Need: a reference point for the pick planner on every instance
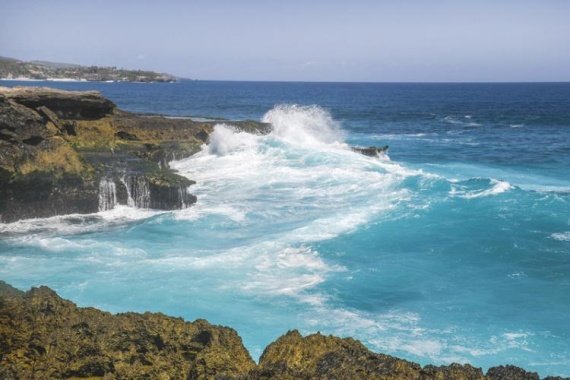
(18, 70)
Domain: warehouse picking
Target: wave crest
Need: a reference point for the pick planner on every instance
(304, 125)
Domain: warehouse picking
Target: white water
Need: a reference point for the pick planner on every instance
(107, 194)
(295, 186)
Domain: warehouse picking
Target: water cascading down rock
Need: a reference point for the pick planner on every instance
(107, 194)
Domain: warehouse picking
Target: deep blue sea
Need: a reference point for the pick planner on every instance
(454, 247)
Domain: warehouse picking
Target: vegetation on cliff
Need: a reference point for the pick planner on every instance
(43, 336)
(40, 70)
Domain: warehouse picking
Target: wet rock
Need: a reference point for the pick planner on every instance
(371, 151)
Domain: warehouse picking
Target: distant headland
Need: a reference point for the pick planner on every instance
(16, 69)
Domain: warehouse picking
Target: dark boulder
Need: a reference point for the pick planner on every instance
(371, 151)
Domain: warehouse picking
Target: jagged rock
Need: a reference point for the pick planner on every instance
(327, 357)
(452, 372)
(510, 372)
(58, 149)
(44, 336)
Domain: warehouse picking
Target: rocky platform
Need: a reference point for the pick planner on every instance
(64, 152)
(43, 336)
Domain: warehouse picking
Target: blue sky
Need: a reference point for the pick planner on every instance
(358, 40)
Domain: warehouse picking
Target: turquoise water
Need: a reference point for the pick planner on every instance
(455, 247)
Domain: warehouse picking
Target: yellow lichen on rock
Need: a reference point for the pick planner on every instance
(93, 133)
(57, 157)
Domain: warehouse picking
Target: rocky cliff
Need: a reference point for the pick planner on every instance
(45, 337)
(65, 152)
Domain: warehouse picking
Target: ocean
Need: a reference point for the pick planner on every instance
(452, 247)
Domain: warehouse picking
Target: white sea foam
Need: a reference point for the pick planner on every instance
(224, 141)
(264, 269)
(467, 123)
(302, 171)
(297, 186)
(498, 187)
(304, 125)
(561, 236)
(76, 223)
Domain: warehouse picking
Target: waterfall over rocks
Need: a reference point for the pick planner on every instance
(182, 196)
(107, 194)
(138, 191)
(141, 192)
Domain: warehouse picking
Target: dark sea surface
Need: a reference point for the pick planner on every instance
(454, 247)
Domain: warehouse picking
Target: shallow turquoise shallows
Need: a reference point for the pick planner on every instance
(453, 247)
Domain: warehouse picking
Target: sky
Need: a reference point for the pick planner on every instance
(293, 40)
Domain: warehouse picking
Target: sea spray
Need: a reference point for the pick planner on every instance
(304, 125)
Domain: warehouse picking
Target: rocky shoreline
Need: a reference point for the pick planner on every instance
(43, 336)
(65, 152)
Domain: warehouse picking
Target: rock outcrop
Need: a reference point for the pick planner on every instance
(65, 152)
(371, 151)
(43, 336)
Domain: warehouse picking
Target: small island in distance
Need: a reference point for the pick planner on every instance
(15, 69)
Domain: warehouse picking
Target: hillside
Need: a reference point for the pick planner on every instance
(11, 68)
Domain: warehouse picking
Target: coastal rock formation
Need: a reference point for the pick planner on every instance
(371, 151)
(43, 336)
(88, 105)
(327, 357)
(65, 152)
